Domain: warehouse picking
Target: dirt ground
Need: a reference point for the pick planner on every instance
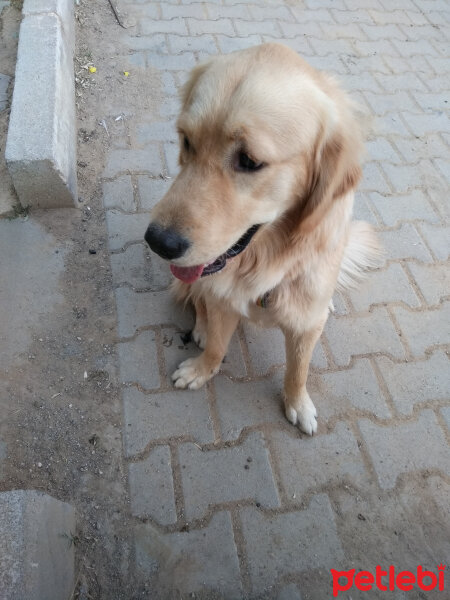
(60, 410)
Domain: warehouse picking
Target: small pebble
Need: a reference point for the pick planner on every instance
(92, 251)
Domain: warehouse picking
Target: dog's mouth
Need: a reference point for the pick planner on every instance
(191, 274)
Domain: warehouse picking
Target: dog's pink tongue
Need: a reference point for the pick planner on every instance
(187, 274)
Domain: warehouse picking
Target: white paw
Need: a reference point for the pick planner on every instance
(199, 336)
(189, 375)
(305, 415)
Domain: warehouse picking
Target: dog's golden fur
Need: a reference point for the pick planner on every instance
(267, 102)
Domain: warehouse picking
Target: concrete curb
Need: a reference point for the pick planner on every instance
(41, 145)
(36, 546)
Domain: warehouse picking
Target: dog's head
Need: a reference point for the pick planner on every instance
(262, 136)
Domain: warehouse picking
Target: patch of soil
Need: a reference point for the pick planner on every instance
(61, 409)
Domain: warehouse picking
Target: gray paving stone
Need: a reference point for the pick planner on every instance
(239, 473)
(191, 561)
(119, 194)
(140, 309)
(363, 210)
(426, 328)
(151, 191)
(383, 286)
(328, 459)
(358, 15)
(433, 281)
(345, 335)
(408, 48)
(140, 268)
(424, 124)
(324, 46)
(123, 228)
(390, 31)
(167, 415)
(395, 450)
(390, 124)
(338, 393)
(248, 404)
(438, 238)
(224, 26)
(233, 11)
(181, 62)
(138, 361)
(200, 43)
(373, 179)
(151, 487)
(301, 540)
(404, 243)
(381, 149)
(412, 383)
(230, 44)
(386, 103)
(138, 161)
(157, 43)
(152, 26)
(149, 132)
(245, 28)
(396, 209)
(195, 9)
(369, 48)
(266, 348)
(352, 31)
(290, 30)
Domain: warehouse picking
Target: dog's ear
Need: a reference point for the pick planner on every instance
(334, 170)
(194, 76)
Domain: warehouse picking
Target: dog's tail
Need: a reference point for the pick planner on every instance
(362, 253)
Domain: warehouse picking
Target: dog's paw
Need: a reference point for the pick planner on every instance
(304, 414)
(199, 335)
(192, 374)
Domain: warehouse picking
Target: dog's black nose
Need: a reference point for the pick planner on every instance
(166, 242)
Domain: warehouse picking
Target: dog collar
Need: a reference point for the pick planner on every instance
(238, 247)
(263, 301)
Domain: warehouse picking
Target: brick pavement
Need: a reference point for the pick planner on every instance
(230, 501)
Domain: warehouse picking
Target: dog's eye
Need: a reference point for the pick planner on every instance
(245, 163)
(186, 144)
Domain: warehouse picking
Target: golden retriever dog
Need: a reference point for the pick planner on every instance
(257, 224)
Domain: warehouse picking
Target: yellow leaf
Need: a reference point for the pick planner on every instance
(92, 69)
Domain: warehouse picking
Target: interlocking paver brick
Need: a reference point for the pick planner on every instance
(349, 30)
(266, 348)
(248, 404)
(149, 132)
(433, 281)
(446, 414)
(416, 382)
(425, 123)
(265, 12)
(322, 15)
(124, 228)
(358, 15)
(119, 194)
(395, 450)
(338, 393)
(232, 11)
(389, 125)
(390, 284)
(195, 10)
(199, 43)
(181, 62)
(157, 43)
(190, 561)
(406, 177)
(151, 191)
(360, 64)
(140, 268)
(291, 30)
(260, 28)
(369, 48)
(150, 417)
(138, 361)
(430, 147)
(328, 459)
(230, 44)
(409, 48)
(306, 539)
(425, 328)
(324, 47)
(389, 31)
(399, 81)
(206, 477)
(373, 179)
(398, 17)
(344, 336)
(404, 243)
(142, 161)
(396, 209)
(224, 26)
(381, 149)
(151, 26)
(151, 487)
(142, 309)
(363, 210)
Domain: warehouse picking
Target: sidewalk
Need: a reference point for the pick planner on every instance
(230, 501)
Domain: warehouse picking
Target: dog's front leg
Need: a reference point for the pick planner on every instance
(298, 405)
(220, 326)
